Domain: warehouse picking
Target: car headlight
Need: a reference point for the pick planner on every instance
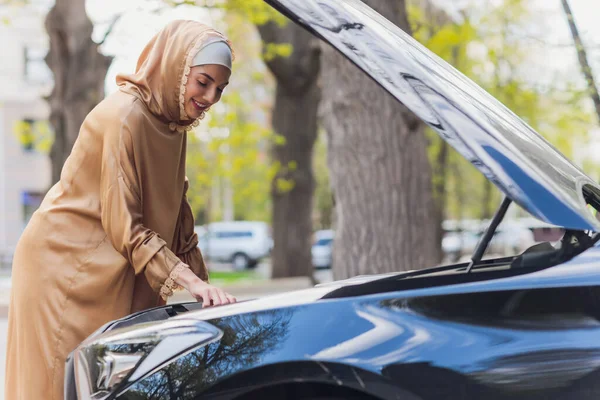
(111, 362)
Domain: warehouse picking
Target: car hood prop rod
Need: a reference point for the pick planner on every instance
(489, 233)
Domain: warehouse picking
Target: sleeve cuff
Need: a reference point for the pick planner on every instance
(193, 258)
(169, 285)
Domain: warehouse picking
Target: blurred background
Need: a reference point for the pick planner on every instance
(285, 172)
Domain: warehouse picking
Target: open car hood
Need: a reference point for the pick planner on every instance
(503, 147)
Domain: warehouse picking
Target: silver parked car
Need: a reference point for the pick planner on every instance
(243, 243)
(322, 249)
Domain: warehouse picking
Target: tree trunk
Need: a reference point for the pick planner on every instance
(583, 60)
(380, 172)
(79, 71)
(295, 118)
(440, 177)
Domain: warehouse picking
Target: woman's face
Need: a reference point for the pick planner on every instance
(204, 88)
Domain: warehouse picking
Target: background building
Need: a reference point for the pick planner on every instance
(24, 165)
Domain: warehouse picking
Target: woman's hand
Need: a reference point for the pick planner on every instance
(209, 294)
(202, 291)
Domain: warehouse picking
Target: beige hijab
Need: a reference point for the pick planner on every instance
(163, 68)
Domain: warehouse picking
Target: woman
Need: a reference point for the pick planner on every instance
(115, 234)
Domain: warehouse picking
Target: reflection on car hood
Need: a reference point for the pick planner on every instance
(582, 270)
(288, 299)
(504, 148)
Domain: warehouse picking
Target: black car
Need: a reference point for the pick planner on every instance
(522, 327)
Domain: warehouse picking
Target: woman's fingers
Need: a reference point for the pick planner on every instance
(230, 298)
(212, 296)
(205, 297)
(222, 297)
(206, 300)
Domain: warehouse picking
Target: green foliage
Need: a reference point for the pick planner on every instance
(7, 9)
(283, 185)
(230, 151)
(256, 12)
(220, 278)
(234, 150)
(279, 140)
(488, 52)
(274, 50)
(36, 135)
(18, 3)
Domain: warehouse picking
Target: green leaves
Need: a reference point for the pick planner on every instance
(228, 156)
(491, 52)
(279, 175)
(283, 185)
(273, 50)
(230, 151)
(34, 135)
(255, 11)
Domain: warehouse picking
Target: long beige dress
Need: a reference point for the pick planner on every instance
(112, 234)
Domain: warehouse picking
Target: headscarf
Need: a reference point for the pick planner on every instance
(163, 67)
(216, 52)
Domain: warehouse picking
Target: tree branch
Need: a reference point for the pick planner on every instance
(110, 29)
(582, 56)
(542, 41)
(302, 65)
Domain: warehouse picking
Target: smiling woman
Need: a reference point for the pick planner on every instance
(209, 75)
(116, 234)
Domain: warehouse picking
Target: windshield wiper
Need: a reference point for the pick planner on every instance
(489, 233)
(573, 243)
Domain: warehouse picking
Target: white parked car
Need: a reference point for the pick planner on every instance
(322, 249)
(512, 238)
(243, 243)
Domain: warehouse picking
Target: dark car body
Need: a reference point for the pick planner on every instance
(492, 334)
(501, 329)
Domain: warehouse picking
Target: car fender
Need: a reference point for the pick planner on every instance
(307, 372)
